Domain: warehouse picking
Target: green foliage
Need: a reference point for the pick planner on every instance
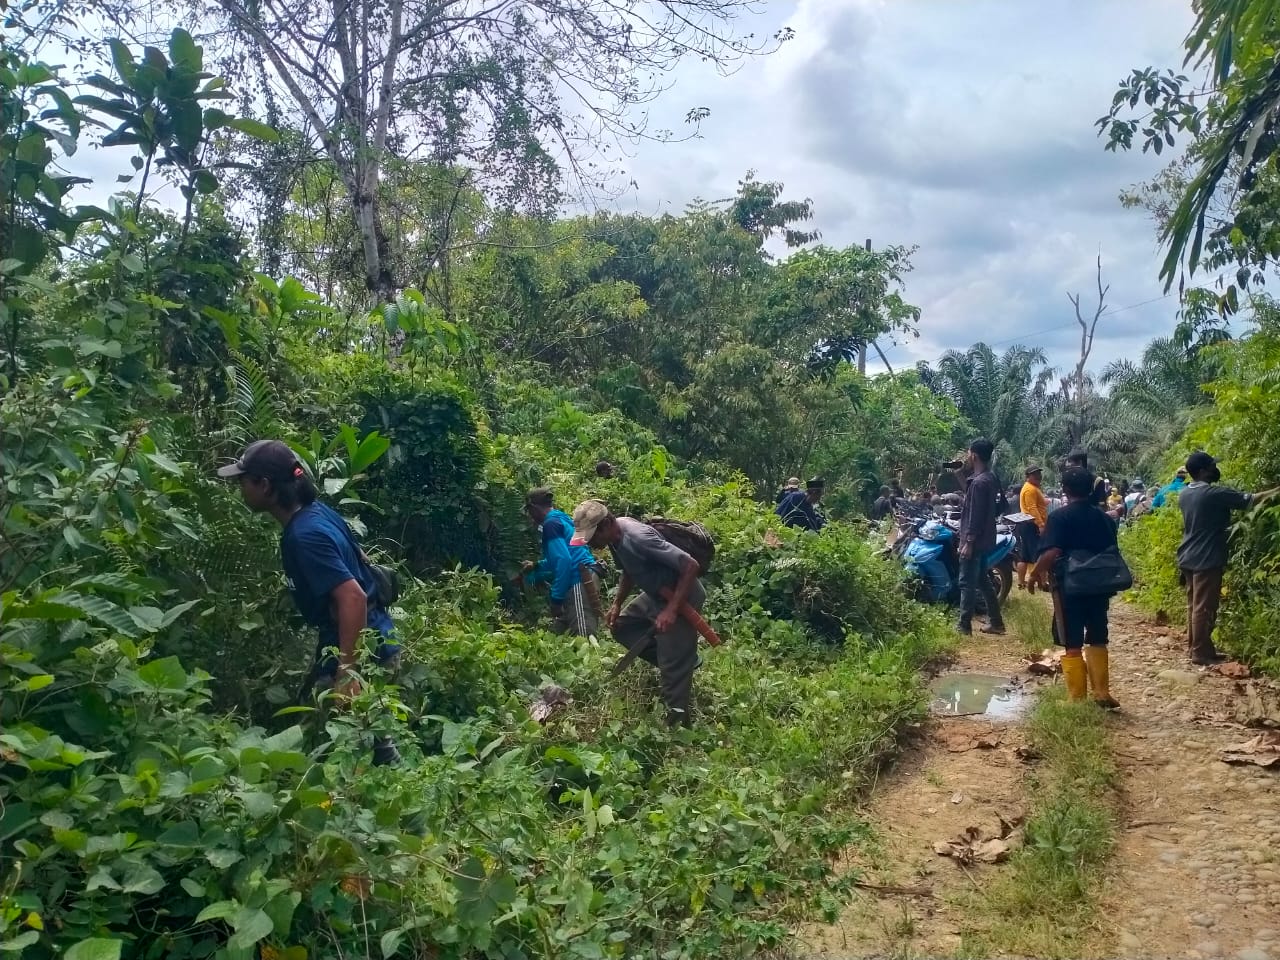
(1149, 545)
(151, 809)
(1241, 429)
(1233, 143)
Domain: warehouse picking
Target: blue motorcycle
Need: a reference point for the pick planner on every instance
(933, 561)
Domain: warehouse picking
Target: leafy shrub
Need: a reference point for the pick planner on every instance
(1150, 545)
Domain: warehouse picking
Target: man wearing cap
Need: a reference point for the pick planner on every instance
(799, 509)
(1202, 556)
(327, 573)
(1032, 502)
(790, 487)
(564, 567)
(650, 625)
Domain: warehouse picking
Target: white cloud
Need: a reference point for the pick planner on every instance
(963, 127)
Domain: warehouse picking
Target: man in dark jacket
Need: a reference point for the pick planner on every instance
(1079, 460)
(978, 538)
(801, 509)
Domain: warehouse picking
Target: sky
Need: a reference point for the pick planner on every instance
(963, 127)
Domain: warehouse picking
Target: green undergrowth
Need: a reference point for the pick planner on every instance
(145, 817)
(1150, 545)
(1045, 903)
(1029, 617)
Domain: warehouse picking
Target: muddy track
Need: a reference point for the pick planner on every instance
(1196, 869)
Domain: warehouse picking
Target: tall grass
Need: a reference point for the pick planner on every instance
(1030, 618)
(1046, 903)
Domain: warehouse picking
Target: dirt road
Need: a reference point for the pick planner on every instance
(1196, 867)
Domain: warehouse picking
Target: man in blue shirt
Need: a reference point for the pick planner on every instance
(799, 509)
(327, 573)
(1179, 481)
(567, 568)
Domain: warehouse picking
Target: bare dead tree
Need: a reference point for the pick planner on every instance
(1087, 329)
(520, 91)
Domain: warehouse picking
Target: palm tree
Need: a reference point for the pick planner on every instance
(1003, 396)
(1157, 397)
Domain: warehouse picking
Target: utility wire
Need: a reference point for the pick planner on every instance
(1035, 333)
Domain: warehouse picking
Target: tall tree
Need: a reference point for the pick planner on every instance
(510, 88)
(1088, 327)
(1228, 108)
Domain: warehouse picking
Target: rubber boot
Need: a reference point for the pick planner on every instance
(1099, 669)
(1073, 671)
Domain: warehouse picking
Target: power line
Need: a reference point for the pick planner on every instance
(1056, 327)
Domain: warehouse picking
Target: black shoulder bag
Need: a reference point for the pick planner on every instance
(1085, 574)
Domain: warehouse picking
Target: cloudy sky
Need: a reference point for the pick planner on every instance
(964, 127)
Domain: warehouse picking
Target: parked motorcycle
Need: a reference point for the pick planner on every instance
(932, 558)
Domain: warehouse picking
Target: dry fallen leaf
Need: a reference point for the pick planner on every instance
(1046, 664)
(1262, 751)
(772, 540)
(1258, 706)
(550, 698)
(1028, 754)
(980, 844)
(1233, 670)
(958, 742)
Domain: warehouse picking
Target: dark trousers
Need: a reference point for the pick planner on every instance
(1082, 619)
(674, 653)
(1204, 592)
(973, 577)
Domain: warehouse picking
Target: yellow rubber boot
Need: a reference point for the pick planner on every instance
(1099, 669)
(1073, 671)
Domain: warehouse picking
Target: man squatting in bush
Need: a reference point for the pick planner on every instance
(569, 569)
(327, 573)
(650, 626)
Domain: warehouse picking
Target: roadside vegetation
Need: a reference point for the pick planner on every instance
(1045, 903)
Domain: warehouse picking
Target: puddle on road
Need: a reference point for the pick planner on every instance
(977, 694)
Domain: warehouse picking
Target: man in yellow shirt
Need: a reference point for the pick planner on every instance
(1031, 501)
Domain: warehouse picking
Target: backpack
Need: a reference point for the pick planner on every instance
(689, 536)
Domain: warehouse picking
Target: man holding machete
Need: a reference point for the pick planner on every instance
(651, 626)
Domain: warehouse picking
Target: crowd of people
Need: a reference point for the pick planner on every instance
(1072, 549)
(1069, 547)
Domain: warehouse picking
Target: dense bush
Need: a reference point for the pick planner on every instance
(1242, 429)
(162, 795)
(1149, 545)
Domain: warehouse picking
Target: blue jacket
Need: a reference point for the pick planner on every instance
(796, 511)
(1168, 488)
(560, 562)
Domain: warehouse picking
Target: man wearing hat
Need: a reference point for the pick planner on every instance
(327, 573)
(799, 509)
(650, 625)
(564, 567)
(790, 487)
(1202, 556)
(1031, 501)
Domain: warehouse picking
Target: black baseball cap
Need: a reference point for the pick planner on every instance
(265, 458)
(816, 483)
(1200, 462)
(1034, 468)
